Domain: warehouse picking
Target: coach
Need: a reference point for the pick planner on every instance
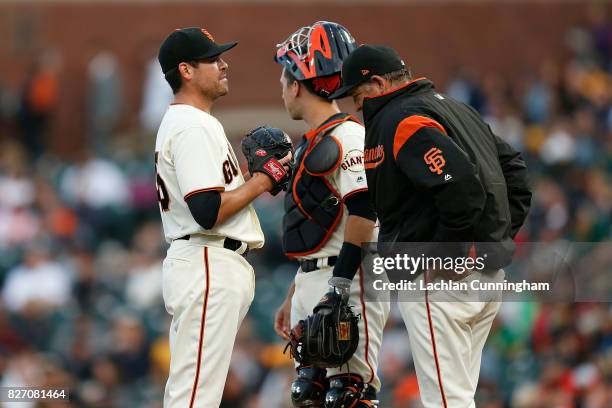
(436, 173)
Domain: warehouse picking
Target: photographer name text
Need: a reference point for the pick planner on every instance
(450, 285)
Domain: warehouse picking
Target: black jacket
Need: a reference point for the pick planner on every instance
(436, 171)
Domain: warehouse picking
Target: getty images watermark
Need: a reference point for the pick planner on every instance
(558, 271)
(453, 268)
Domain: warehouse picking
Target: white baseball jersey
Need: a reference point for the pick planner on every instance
(192, 155)
(207, 289)
(349, 178)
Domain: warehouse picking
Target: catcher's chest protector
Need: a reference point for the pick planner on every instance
(313, 208)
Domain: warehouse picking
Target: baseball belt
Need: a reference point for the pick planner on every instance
(309, 265)
(228, 243)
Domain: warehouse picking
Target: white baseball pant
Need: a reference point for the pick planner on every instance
(310, 288)
(207, 291)
(447, 335)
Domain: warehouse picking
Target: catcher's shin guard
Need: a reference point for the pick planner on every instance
(308, 390)
(348, 390)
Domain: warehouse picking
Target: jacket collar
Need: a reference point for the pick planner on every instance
(371, 105)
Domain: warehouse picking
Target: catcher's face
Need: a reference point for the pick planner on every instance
(209, 76)
(289, 95)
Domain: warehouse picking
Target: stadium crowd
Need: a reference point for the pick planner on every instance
(81, 249)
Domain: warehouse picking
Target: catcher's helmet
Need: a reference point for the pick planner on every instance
(316, 50)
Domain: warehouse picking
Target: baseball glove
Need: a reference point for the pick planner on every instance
(327, 338)
(263, 147)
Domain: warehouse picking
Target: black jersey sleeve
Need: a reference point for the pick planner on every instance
(515, 174)
(444, 173)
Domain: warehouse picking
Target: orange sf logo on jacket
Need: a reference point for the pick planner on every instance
(435, 160)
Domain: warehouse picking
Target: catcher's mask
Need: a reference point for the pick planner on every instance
(316, 50)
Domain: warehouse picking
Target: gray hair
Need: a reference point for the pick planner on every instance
(401, 75)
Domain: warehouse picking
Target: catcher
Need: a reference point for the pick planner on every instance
(335, 340)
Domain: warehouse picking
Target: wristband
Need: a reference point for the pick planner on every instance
(348, 262)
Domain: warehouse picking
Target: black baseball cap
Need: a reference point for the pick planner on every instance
(189, 44)
(364, 62)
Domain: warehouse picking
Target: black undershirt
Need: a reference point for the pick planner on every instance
(204, 207)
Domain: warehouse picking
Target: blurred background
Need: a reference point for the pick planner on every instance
(81, 96)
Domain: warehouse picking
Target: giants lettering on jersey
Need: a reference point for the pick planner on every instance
(374, 156)
(353, 161)
(230, 170)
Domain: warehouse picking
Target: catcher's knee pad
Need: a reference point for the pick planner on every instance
(348, 390)
(308, 390)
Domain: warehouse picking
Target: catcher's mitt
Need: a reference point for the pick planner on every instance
(327, 338)
(262, 147)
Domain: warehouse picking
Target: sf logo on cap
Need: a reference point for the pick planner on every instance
(435, 160)
(207, 34)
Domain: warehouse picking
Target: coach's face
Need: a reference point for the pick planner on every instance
(360, 93)
(210, 77)
(289, 95)
(374, 87)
